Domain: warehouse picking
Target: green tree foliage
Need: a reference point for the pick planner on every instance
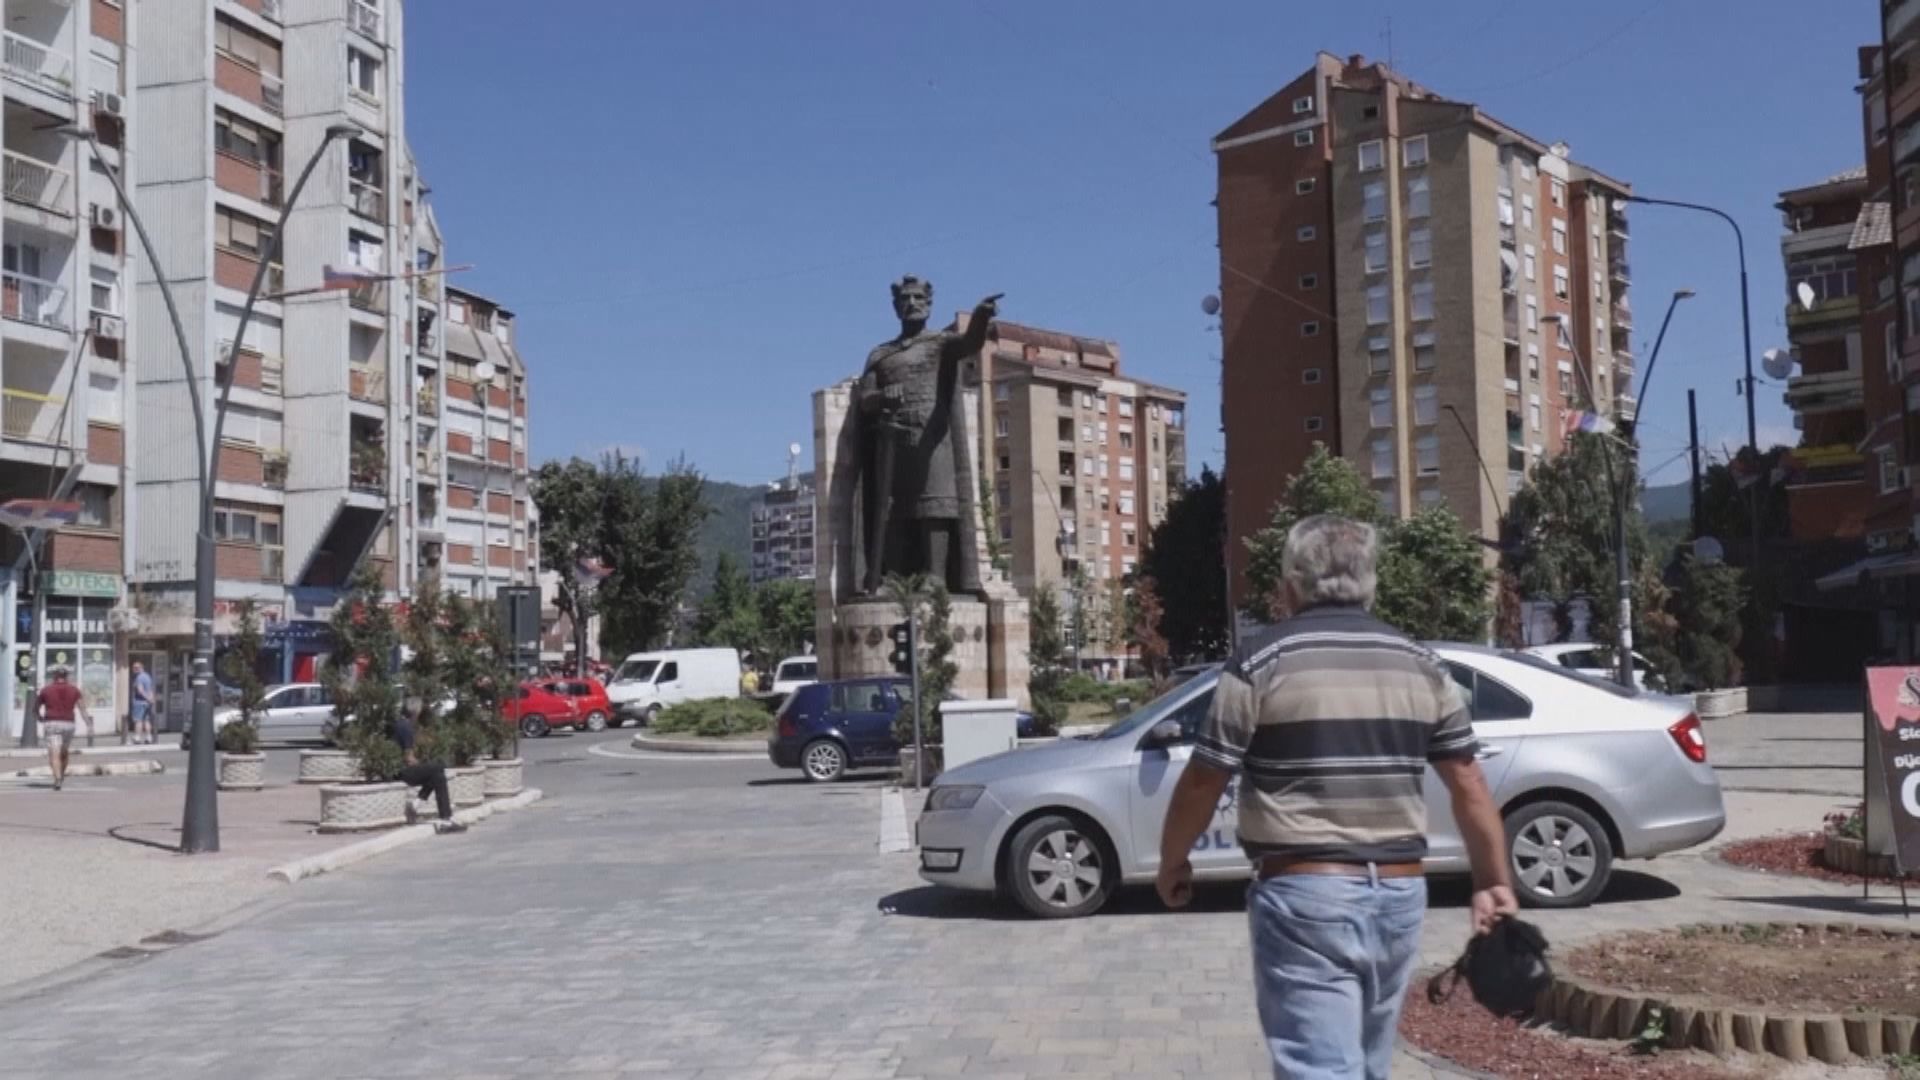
(647, 538)
(771, 620)
(569, 495)
(1046, 660)
(1186, 558)
(240, 669)
(1433, 580)
(451, 658)
(1707, 604)
(1145, 614)
(786, 617)
(360, 675)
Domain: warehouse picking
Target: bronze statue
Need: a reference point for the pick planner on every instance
(916, 476)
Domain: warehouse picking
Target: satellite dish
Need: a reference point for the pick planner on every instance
(1709, 551)
(1210, 304)
(793, 449)
(1805, 292)
(483, 371)
(1777, 363)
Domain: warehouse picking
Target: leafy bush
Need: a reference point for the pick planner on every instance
(1852, 825)
(1085, 689)
(714, 719)
(240, 665)
(238, 736)
(380, 758)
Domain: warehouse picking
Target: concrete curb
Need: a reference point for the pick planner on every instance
(702, 746)
(895, 836)
(112, 768)
(91, 751)
(326, 861)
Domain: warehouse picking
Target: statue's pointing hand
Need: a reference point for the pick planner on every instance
(988, 308)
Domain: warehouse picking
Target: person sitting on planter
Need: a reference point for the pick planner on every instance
(428, 776)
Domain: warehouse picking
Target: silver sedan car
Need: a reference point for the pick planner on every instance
(1584, 772)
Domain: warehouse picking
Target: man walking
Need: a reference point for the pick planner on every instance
(142, 709)
(57, 703)
(1332, 716)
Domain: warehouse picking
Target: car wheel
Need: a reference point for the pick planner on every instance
(653, 713)
(823, 760)
(1058, 870)
(534, 727)
(596, 721)
(1560, 856)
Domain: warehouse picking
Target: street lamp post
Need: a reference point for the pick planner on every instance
(200, 825)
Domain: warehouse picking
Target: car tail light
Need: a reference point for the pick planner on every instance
(783, 720)
(1691, 737)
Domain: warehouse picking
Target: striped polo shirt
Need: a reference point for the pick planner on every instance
(1332, 717)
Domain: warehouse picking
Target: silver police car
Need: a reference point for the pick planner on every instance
(1585, 773)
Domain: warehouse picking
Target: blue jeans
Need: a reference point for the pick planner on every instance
(1331, 961)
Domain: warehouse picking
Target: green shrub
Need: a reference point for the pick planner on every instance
(380, 758)
(715, 718)
(237, 737)
(1082, 688)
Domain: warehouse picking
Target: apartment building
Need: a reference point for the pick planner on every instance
(782, 525)
(1415, 284)
(489, 528)
(1083, 460)
(66, 405)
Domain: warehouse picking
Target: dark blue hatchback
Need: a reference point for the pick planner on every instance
(825, 728)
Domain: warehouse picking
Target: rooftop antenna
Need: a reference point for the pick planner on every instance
(793, 466)
(1389, 36)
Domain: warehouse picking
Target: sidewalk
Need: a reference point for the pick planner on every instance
(9, 751)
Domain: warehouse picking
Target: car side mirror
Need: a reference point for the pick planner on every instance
(1164, 734)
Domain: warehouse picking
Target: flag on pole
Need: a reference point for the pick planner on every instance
(1572, 420)
(347, 277)
(25, 514)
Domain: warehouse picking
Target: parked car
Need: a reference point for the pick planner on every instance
(1584, 772)
(590, 701)
(793, 673)
(826, 728)
(649, 682)
(539, 707)
(293, 712)
(1591, 660)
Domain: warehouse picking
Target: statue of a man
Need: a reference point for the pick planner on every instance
(916, 484)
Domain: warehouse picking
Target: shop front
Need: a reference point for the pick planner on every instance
(68, 621)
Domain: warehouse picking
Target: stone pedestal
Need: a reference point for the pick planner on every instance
(858, 645)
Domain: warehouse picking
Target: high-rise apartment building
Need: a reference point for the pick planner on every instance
(782, 526)
(1415, 284)
(1083, 461)
(356, 426)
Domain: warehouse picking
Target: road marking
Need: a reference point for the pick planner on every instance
(604, 750)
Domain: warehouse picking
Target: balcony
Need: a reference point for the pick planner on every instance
(37, 65)
(367, 199)
(248, 82)
(248, 179)
(35, 183)
(1627, 407)
(1622, 315)
(235, 270)
(369, 296)
(364, 18)
(1906, 141)
(367, 383)
(1832, 391)
(1618, 268)
(273, 468)
(29, 417)
(426, 461)
(1900, 18)
(34, 301)
(1617, 223)
(367, 466)
(427, 401)
(1837, 309)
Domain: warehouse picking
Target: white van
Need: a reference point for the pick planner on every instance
(647, 682)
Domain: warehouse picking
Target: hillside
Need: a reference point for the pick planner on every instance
(1665, 502)
(728, 528)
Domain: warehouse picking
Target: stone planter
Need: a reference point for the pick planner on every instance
(906, 764)
(1849, 856)
(361, 807)
(503, 778)
(328, 767)
(243, 772)
(467, 784)
(1717, 704)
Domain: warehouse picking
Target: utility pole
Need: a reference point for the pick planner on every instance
(919, 707)
(1693, 452)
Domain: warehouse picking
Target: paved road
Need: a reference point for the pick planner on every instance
(1788, 752)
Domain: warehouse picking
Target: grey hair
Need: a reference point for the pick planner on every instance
(1331, 560)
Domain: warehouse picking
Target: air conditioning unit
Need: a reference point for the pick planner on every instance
(124, 620)
(106, 217)
(109, 327)
(109, 103)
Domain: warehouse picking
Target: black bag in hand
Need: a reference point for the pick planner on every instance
(1507, 970)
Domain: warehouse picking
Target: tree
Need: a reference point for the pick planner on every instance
(728, 615)
(241, 670)
(1186, 558)
(569, 497)
(1145, 614)
(648, 538)
(1325, 484)
(1047, 659)
(359, 675)
(1560, 533)
(1707, 606)
(786, 617)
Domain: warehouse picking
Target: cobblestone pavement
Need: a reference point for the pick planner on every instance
(1788, 752)
(720, 920)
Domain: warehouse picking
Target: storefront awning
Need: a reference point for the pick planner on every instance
(1872, 568)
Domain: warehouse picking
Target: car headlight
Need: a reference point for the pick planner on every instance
(956, 797)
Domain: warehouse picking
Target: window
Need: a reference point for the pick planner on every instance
(1086, 432)
(1529, 265)
(1126, 440)
(363, 73)
(1420, 202)
(1527, 172)
(1426, 405)
(96, 506)
(1002, 390)
(1413, 151)
(1006, 460)
(1376, 256)
(1309, 281)
(1304, 233)
(1126, 504)
(1304, 187)
(457, 311)
(1310, 376)
(1379, 355)
(1422, 300)
(1382, 456)
(1830, 279)
(1561, 285)
(1086, 399)
(1374, 201)
(1420, 248)
(1559, 237)
(1526, 209)
(1425, 355)
(1372, 155)
(1309, 329)
(669, 673)
(1303, 138)
(1377, 308)
(1314, 424)
(1533, 313)
(1380, 408)
(1086, 466)
(1889, 470)
(1303, 105)
(1000, 425)
(1506, 208)
(241, 43)
(1370, 112)
(1100, 468)
(1426, 455)
(237, 138)
(1533, 413)
(104, 291)
(365, 252)
(1488, 698)
(1126, 468)
(1559, 193)
(1877, 111)
(239, 233)
(1430, 496)
(1533, 360)
(1128, 538)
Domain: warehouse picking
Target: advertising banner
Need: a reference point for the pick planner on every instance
(1893, 734)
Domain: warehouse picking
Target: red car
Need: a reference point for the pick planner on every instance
(538, 708)
(589, 700)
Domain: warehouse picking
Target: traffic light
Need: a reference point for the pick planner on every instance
(901, 634)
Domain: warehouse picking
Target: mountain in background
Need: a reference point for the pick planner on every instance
(1666, 502)
(728, 528)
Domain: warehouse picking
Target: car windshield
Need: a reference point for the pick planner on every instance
(806, 669)
(1158, 708)
(636, 671)
(1554, 667)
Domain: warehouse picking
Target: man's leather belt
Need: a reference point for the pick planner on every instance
(1272, 867)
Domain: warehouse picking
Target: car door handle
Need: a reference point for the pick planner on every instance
(1486, 752)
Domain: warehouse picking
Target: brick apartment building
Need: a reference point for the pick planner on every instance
(1083, 461)
(331, 455)
(1394, 269)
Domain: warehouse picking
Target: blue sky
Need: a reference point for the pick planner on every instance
(695, 209)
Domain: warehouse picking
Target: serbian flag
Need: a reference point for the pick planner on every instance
(1572, 420)
(25, 514)
(347, 277)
